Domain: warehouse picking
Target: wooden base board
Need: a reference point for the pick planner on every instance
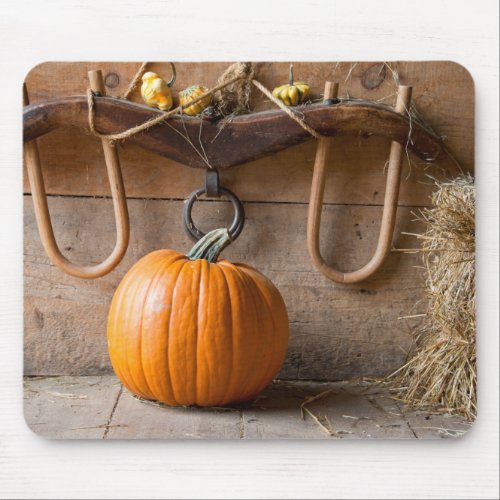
(97, 408)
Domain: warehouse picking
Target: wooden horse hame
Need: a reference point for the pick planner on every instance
(243, 138)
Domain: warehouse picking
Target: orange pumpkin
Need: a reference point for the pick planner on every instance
(188, 330)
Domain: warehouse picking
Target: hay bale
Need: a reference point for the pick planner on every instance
(442, 373)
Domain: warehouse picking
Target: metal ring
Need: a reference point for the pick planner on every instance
(239, 214)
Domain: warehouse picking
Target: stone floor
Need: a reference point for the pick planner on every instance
(99, 408)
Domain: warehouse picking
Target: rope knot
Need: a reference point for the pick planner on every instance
(235, 97)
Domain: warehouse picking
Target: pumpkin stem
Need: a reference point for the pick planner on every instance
(210, 246)
(291, 74)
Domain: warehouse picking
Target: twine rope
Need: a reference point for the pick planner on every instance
(149, 123)
(166, 115)
(133, 84)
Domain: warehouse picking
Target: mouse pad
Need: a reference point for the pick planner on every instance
(249, 250)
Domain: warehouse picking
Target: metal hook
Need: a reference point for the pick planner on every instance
(213, 189)
(42, 214)
(390, 200)
(212, 183)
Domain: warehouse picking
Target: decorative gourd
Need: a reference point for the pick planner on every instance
(188, 330)
(190, 94)
(155, 92)
(292, 93)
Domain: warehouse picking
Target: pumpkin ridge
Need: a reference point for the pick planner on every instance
(123, 356)
(127, 357)
(169, 330)
(152, 280)
(245, 388)
(165, 382)
(271, 314)
(197, 347)
(184, 332)
(201, 265)
(273, 299)
(168, 261)
(234, 281)
(260, 306)
(210, 346)
(167, 325)
(132, 360)
(215, 366)
(220, 269)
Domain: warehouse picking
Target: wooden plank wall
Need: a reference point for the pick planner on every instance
(337, 331)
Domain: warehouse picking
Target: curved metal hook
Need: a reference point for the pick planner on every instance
(390, 200)
(33, 166)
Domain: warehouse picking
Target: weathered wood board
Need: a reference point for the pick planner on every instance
(70, 408)
(344, 411)
(135, 419)
(96, 408)
(428, 425)
(443, 93)
(337, 331)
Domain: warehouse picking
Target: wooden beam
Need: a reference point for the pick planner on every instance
(238, 140)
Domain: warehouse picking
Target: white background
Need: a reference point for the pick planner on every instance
(32, 32)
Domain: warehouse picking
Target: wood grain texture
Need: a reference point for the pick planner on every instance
(198, 143)
(347, 411)
(337, 331)
(97, 408)
(356, 175)
(429, 425)
(134, 419)
(70, 408)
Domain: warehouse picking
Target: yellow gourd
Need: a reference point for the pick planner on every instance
(191, 93)
(292, 93)
(156, 92)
